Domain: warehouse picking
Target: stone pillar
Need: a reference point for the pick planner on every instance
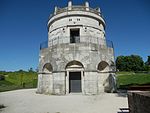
(67, 83)
(99, 10)
(69, 5)
(87, 6)
(51, 83)
(82, 82)
(55, 12)
(40, 85)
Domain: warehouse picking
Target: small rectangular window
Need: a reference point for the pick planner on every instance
(78, 19)
(74, 35)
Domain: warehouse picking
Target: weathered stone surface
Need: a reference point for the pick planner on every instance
(139, 101)
(89, 54)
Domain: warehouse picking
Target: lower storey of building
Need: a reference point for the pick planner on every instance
(79, 81)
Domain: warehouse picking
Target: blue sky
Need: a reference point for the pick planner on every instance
(23, 26)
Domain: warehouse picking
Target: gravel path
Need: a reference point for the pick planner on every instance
(27, 101)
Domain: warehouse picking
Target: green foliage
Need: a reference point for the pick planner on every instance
(3, 72)
(126, 79)
(148, 61)
(30, 70)
(125, 73)
(147, 64)
(146, 68)
(18, 80)
(130, 63)
(2, 77)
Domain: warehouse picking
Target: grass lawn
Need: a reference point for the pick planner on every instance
(18, 80)
(21, 80)
(125, 79)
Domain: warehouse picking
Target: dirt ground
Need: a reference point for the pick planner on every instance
(27, 101)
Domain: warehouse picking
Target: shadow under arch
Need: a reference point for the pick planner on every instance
(47, 68)
(102, 66)
(74, 64)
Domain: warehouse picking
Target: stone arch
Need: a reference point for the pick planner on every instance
(47, 68)
(111, 63)
(103, 66)
(74, 64)
(74, 76)
(112, 66)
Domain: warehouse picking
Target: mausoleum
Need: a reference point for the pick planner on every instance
(77, 58)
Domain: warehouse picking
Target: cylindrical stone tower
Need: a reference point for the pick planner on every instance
(77, 58)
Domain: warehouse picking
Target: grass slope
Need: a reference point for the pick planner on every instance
(18, 80)
(125, 79)
(23, 79)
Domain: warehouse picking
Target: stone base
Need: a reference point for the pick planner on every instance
(92, 83)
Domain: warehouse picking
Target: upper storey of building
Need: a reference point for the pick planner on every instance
(79, 10)
(76, 11)
(76, 23)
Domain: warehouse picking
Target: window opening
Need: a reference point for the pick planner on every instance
(74, 35)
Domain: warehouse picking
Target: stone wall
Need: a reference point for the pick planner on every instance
(90, 83)
(94, 80)
(60, 55)
(139, 102)
(89, 53)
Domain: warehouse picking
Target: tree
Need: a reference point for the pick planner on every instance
(148, 61)
(130, 63)
(120, 63)
(147, 64)
(137, 63)
(30, 70)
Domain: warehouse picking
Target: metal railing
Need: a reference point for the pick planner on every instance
(102, 43)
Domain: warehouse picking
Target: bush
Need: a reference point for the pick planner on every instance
(2, 77)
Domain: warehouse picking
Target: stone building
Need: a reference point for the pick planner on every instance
(77, 57)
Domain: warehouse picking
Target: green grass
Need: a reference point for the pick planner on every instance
(125, 73)
(126, 79)
(15, 80)
(18, 80)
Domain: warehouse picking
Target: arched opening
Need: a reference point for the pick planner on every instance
(74, 77)
(74, 64)
(103, 66)
(47, 68)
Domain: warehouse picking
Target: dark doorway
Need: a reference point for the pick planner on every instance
(74, 35)
(74, 82)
